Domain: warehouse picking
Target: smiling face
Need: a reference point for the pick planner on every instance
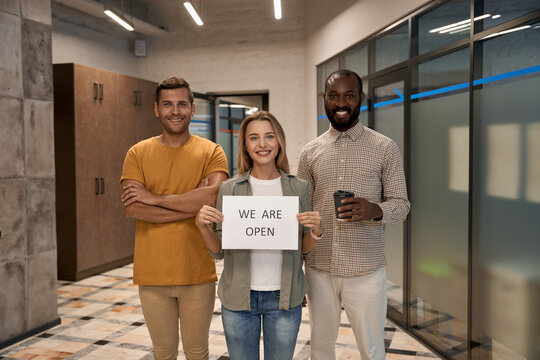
(261, 143)
(342, 100)
(174, 110)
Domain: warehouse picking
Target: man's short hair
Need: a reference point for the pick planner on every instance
(344, 73)
(174, 83)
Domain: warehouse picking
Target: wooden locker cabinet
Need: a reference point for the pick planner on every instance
(96, 120)
(144, 128)
(140, 106)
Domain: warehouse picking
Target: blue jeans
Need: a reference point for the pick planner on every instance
(280, 328)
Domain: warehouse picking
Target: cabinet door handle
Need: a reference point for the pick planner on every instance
(136, 98)
(96, 182)
(100, 91)
(95, 91)
(140, 97)
(102, 185)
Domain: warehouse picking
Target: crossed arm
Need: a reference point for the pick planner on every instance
(144, 205)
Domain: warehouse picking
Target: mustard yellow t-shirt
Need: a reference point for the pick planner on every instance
(172, 253)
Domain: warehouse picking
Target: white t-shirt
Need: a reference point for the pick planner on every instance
(266, 264)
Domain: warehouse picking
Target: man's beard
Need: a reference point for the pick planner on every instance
(353, 117)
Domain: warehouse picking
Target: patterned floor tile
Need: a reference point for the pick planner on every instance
(137, 336)
(102, 319)
(73, 291)
(81, 308)
(114, 352)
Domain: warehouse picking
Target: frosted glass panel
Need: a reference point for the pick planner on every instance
(507, 246)
(451, 69)
(388, 105)
(502, 157)
(440, 205)
(357, 61)
(532, 182)
(392, 48)
(444, 25)
(458, 158)
(439, 192)
(506, 241)
(388, 120)
(501, 11)
(323, 71)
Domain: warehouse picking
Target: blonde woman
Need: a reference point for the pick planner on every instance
(262, 286)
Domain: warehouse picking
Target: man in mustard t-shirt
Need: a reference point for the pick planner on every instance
(165, 180)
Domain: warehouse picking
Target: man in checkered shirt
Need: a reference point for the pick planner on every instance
(346, 267)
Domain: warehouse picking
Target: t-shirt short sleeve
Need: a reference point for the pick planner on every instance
(218, 161)
(131, 169)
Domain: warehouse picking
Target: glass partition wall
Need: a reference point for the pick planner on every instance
(389, 119)
(456, 84)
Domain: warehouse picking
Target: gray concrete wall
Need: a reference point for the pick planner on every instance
(27, 180)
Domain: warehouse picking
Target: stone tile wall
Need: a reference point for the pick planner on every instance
(27, 175)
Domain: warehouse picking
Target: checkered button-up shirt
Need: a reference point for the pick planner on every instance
(369, 164)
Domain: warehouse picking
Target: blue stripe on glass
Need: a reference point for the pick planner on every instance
(388, 102)
(507, 75)
(446, 89)
(201, 121)
(440, 91)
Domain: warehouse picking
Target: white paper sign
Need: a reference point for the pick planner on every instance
(260, 222)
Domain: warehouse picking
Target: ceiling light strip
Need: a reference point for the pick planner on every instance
(193, 13)
(277, 9)
(459, 23)
(507, 31)
(119, 19)
(450, 26)
(455, 28)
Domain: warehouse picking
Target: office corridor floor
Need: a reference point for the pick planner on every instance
(102, 320)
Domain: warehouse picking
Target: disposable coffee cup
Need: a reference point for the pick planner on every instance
(338, 196)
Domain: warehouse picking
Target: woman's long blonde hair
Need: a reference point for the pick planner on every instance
(245, 162)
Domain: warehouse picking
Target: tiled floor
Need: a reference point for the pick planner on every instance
(102, 320)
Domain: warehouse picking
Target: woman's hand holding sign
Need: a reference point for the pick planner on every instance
(206, 216)
(312, 220)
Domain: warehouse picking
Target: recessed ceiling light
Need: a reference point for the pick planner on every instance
(116, 16)
(193, 13)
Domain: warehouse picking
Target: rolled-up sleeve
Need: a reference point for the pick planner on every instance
(395, 205)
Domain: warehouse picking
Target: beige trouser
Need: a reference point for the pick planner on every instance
(364, 300)
(163, 305)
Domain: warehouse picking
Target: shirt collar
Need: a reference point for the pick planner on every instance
(245, 176)
(353, 132)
